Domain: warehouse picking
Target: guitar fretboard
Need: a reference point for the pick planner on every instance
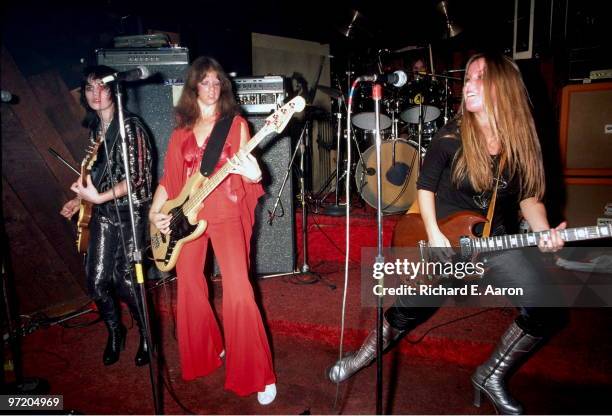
(275, 123)
(504, 242)
(222, 173)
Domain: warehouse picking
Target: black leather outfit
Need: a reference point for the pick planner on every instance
(106, 265)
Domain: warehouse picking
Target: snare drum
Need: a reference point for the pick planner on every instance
(399, 161)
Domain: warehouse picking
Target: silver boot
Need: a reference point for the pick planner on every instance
(490, 378)
(355, 361)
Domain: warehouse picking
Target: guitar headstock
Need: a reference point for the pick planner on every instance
(91, 154)
(279, 120)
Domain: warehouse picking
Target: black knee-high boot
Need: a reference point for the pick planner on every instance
(142, 355)
(116, 331)
(515, 347)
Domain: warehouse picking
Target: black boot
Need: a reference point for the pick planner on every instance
(490, 378)
(142, 355)
(353, 362)
(115, 342)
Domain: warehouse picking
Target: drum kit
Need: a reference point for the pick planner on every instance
(409, 118)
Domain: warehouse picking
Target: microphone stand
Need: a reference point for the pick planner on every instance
(376, 96)
(136, 253)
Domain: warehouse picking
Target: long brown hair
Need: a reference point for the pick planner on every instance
(511, 121)
(187, 110)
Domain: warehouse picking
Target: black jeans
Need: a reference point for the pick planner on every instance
(106, 266)
(512, 268)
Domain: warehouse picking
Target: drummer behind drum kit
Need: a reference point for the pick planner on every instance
(409, 118)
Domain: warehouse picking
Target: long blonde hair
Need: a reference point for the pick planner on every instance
(510, 120)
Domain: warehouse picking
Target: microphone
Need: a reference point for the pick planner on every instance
(135, 74)
(397, 78)
(7, 97)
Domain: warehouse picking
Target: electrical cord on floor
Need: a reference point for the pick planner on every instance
(39, 320)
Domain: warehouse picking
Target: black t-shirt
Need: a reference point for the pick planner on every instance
(436, 176)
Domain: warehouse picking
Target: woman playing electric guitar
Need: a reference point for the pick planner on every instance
(107, 266)
(491, 143)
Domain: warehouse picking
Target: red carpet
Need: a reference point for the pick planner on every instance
(428, 373)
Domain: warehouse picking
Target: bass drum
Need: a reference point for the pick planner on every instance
(399, 161)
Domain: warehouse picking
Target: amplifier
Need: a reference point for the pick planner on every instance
(260, 95)
(154, 98)
(601, 74)
(140, 56)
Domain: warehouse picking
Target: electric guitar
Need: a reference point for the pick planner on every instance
(185, 207)
(85, 209)
(459, 229)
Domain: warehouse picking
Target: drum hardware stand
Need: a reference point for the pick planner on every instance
(337, 209)
(305, 269)
(420, 138)
(446, 117)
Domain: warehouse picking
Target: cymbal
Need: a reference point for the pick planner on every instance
(409, 48)
(450, 71)
(429, 74)
(332, 92)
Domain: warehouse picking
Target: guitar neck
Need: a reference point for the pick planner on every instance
(214, 181)
(504, 242)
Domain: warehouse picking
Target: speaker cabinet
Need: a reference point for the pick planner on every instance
(273, 245)
(586, 199)
(152, 99)
(586, 129)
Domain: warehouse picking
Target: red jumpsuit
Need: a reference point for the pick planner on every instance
(229, 210)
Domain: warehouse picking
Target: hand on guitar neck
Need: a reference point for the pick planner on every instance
(554, 242)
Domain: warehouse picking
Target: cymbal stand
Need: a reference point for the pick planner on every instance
(336, 209)
(420, 136)
(446, 115)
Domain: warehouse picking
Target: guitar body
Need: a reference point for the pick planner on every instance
(184, 228)
(85, 212)
(86, 207)
(410, 229)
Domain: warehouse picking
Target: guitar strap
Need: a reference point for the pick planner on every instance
(212, 153)
(486, 231)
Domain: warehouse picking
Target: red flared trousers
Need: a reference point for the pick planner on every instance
(248, 361)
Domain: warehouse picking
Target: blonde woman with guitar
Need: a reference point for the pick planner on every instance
(492, 143)
(105, 234)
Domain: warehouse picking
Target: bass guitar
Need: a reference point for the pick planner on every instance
(459, 229)
(184, 208)
(85, 208)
